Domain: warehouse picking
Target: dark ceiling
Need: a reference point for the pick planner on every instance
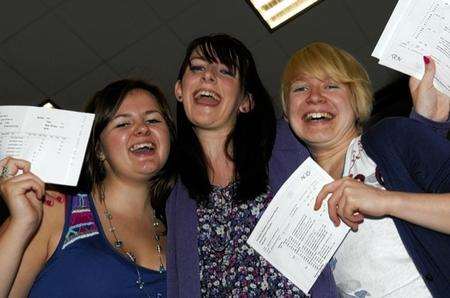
(67, 49)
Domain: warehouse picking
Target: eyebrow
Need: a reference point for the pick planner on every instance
(128, 115)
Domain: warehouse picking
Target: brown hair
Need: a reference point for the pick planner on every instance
(104, 104)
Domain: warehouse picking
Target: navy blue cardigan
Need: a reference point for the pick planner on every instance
(413, 158)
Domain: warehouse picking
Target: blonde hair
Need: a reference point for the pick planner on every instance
(321, 60)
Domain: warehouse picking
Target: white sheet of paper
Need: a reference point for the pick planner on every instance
(294, 238)
(54, 141)
(418, 28)
(390, 28)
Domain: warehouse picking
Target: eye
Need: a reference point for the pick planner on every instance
(332, 86)
(153, 121)
(122, 124)
(227, 71)
(299, 88)
(196, 67)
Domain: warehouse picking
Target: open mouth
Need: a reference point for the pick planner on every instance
(142, 148)
(320, 116)
(207, 97)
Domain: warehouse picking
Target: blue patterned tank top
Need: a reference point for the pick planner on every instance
(86, 265)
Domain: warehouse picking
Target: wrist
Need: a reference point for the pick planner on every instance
(22, 227)
(393, 203)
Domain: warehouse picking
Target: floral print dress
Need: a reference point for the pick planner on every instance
(229, 267)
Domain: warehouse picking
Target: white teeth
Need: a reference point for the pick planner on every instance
(317, 116)
(141, 146)
(207, 93)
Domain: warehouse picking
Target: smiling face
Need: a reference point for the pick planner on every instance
(136, 141)
(320, 112)
(211, 94)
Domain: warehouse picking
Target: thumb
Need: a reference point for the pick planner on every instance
(430, 71)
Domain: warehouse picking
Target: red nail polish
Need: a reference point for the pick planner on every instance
(50, 203)
(60, 199)
(426, 59)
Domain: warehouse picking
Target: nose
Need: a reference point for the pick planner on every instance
(142, 129)
(209, 75)
(315, 96)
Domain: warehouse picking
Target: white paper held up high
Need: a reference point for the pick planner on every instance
(54, 141)
(415, 29)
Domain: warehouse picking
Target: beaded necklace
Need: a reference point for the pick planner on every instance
(356, 155)
(118, 244)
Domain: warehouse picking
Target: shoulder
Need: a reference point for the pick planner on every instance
(40, 248)
(402, 131)
(53, 221)
(395, 125)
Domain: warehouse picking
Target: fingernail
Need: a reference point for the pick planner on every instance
(60, 199)
(426, 59)
(49, 202)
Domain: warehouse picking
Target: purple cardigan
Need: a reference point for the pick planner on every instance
(183, 275)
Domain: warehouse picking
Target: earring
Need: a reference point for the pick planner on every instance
(101, 157)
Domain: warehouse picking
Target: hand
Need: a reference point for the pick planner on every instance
(22, 193)
(427, 101)
(351, 200)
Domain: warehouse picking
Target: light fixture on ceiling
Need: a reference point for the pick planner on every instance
(47, 102)
(275, 13)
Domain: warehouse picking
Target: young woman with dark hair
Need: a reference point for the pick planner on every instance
(226, 134)
(109, 239)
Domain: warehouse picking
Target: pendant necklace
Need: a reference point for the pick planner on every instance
(118, 244)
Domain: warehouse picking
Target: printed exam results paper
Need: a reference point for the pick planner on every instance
(415, 29)
(54, 141)
(294, 238)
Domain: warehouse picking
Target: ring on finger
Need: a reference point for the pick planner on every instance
(5, 172)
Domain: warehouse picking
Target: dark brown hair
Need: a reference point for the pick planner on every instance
(104, 104)
(253, 136)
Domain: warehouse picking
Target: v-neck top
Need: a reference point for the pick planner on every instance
(85, 264)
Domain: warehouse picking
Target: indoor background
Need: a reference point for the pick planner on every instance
(67, 49)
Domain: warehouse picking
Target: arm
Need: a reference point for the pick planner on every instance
(22, 231)
(351, 200)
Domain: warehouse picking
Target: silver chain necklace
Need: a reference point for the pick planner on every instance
(118, 244)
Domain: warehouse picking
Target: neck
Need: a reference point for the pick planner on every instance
(125, 197)
(220, 167)
(332, 157)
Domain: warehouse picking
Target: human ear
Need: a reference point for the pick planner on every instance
(178, 91)
(247, 104)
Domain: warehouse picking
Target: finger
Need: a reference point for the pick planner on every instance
(27, 176)
(333, 207)
(29, 185)
(323, 194)
(351, 213)
(413, 84)
(51, 195)
(13, 165)
(353, 225)
(4, 161)
(430, 70)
